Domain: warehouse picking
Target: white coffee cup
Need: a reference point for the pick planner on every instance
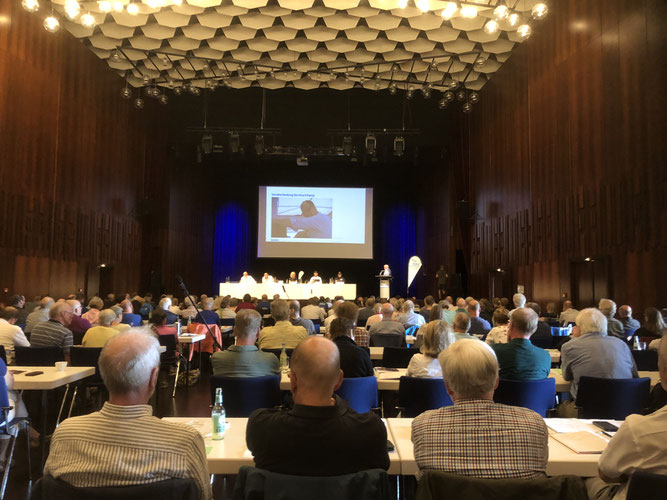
(61, 365)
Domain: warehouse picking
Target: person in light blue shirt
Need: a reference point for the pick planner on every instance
(409, 316)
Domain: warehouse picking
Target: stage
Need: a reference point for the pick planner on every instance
(293, 291)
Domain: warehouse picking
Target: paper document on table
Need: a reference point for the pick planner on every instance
(582, 441)
(389, 375)
(568, 425)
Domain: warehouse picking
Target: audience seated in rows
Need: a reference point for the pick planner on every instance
(569, 314)
(283, 332)
(10, 334)
(436, 338)
(519, 359)
(244, 359)
(354, 361)
(593, 353)
(165, 304)
(498, 334)
(54, 332)
(639, 444)
(296, 319)
(320, 435)
(478, 326)
(477, 437)
(614, 327)
(123, 444)
(18, 302)
(117, 324)
(98, 335)
(387, 325)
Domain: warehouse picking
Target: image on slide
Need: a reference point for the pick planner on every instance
(292, 218)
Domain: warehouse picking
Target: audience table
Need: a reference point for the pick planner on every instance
(561, 460)
(51, 378)
(376, 353)
(229, 454)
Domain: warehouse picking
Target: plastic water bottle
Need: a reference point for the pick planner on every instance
(218, 416)
(636, 345)
(283, 359)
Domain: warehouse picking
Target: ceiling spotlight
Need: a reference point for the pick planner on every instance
(409, 93)
(51, 24)
(540, 10)
(104, 6)
(178, 90)
(481, 60)
(88, 20)
(423, 5)
(72, 9)
(138, 103)
(392, 89)
(259, 145)
(371, 144)
(448, 96)
(125, 92)
(196, 91)
(524, 31)
(499, 270)
(473, 97)
(399, 146)
(132, 9)
(469, 11)
(449, 10)
(146, 79)
(453, 84)
(501, 12)
(491, 27)
(513, 19)
(402, 4)
(177, 2)
(426, 92)
(115, 56)
(461, 95)
(30, 5)
(442, 103)
(117, 6)
(467, 107)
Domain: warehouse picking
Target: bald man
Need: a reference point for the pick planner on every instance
(320, 435)
(129, 318)
(387, 325)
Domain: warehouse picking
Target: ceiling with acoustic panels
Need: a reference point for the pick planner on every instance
(306, 44)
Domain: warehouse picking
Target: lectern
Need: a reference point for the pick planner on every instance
(384, 286)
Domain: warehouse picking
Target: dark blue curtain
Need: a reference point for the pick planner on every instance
(398, 243)
(231, 249)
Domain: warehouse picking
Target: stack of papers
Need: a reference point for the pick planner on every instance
(582, 441)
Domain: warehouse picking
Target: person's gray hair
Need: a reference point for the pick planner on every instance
(519, 300)
(127, 360)
(46, 303)
(524, 320)
(75, 304)
(462, 321)
(247, 323)
(295, 305)
(470, 368)
(106, 317)
(58, 308)
(207, 303)
(473, 305)
(279, 310)
(165, 303)
(408, 306)
(591, 320)
(607, 307)
(387, 309)
(118, 311)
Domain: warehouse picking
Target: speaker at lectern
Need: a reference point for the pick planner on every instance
(384, 285)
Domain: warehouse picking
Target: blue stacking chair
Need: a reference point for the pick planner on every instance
(613, 398)
(361, 393)
(241, 396)
(537, 395)
(416, 395)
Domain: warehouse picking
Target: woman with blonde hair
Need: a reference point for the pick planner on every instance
(437, 338)
(95, 304)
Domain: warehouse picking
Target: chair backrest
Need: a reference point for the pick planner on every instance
(411, 330)
(438, 485)
(612, 398)
(243, 395)
(169, 342)
(268, 322)
(77, 337)
(37, 356)
(537, 395)
(227, 321)
(86, 356)
(47, 487)
(278, 352)
(361, 322)
(252, 483)
(416, 395)
(386, 340)
(646, 361)
(646, 486)
(542, 342)
(3, 354)
(361, 393)
(397, 357)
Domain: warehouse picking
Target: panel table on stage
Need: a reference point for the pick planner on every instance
(294, 291)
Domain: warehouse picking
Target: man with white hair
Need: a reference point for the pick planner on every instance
(593, 353)
(477, 437)
(325, 436)
(207, 315)
(519, 301)
(387, 325)
(629, 323)
(123, 444)
(519, 359)
(39, 315)
(98, 335)
(410, 317)
(55, 331)
(78, 324)
(569, 314)
(165, 303)
(614, 326)
(639, 444)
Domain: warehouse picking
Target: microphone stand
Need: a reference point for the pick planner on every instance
(181, 285)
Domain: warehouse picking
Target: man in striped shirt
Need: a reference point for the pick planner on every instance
(55, 332)
(477, 437)
(123, 444)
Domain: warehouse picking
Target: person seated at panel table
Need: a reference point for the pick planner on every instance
(354, 361)
(478, 325)
(593, 353)
(519, 359)
(292, 278)
(85, 450)
(339, 278)
(246, 279)
(387, 325)
(244, 359)
(283, 332)
(475, 436)
(98, 335)
(325, 436)
(639, 444)
(498, 334)
(315, 279)
(436, 338)
(267, 278)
